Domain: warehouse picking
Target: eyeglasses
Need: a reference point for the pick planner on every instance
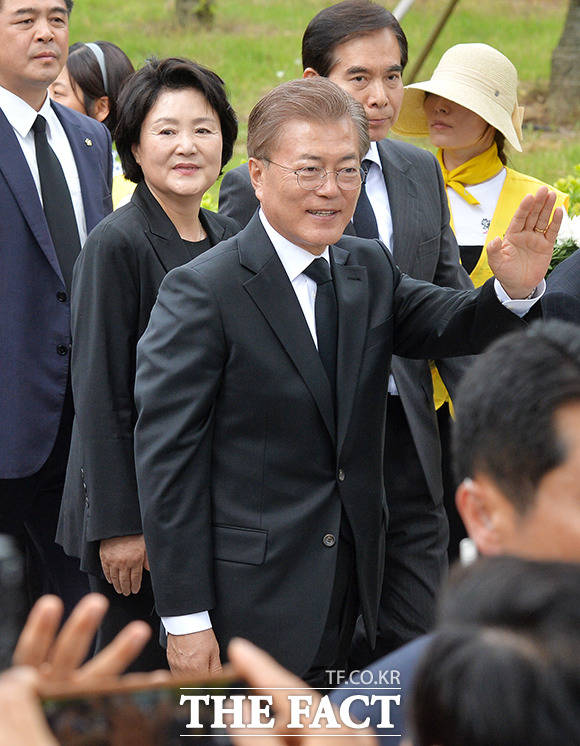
(313, 177)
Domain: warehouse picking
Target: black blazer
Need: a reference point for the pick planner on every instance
(424, 247)
(115, 284)
(242, 474)
(562, 297)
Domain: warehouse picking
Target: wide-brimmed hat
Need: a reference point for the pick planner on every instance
(475, 76)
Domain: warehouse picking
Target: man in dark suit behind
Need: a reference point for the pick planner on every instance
(55, 179)
(361, 46)
(261, 392)
(562, 297)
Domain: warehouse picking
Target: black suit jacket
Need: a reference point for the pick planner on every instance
(562, 297)
(242, 476)
(115, 284)
(424, 247)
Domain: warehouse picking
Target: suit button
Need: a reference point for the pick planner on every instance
(61, 296)
(328, 540)
(62, 349)
(341, 475)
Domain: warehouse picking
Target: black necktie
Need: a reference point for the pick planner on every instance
(57, 202)
(326, 317)
(364, 221)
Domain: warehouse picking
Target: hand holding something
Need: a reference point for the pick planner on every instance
(521, 259)
(123, 559)
(59, 656)
(194, 654)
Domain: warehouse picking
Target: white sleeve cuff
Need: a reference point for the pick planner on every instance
(187, 623)
(520, 307)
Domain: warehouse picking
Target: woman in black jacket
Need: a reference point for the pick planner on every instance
(176, 130)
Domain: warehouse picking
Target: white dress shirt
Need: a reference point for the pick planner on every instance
(376, 190)
(471, 222)
(295, 260)
(22, 116)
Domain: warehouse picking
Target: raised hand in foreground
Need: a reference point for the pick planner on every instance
(59, 656)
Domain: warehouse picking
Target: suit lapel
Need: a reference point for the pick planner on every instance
(161, 232)
(403, 202)
(272, 292)
(14, 167)
(352, 299)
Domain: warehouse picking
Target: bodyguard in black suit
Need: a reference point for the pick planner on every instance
(361, 47)
(261, 489)
(176, 129)
(55, 186)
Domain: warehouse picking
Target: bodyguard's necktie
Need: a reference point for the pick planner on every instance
(326, 317)
(364, 221)
(57, 202)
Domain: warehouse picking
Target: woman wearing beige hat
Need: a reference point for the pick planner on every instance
(469, 109)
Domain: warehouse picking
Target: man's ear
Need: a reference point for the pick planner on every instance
(310, 72)
(256, 167)
(101, 108)
(485, 513)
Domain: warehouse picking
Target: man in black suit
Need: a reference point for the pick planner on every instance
(55, 186)
(261, 391)
(361, 46)
(562, 297)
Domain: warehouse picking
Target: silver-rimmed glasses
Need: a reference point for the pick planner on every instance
(313, 177)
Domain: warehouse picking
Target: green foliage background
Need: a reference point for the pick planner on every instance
(255, 44)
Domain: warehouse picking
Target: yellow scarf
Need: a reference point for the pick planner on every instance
(474, 171)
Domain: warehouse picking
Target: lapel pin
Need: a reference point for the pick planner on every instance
(88, 142)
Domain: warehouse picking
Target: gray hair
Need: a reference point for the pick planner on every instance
(307, 100)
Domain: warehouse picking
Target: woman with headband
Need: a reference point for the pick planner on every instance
(90, 82)
(469, 109)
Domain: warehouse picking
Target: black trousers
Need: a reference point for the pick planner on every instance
(416, 551)
(125, 609)
(457, 530)
(336, 639)
(29, 510)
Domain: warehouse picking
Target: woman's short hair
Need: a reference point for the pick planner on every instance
(144, 88)
(308, 100)
(86, 73)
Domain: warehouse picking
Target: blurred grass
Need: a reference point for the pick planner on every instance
(255, 44)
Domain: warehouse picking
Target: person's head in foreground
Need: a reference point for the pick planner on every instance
(516, 444)
(362, 48)
(92, 79)
(504, 668)
(469, 103)
(306, 140)
(176, 129)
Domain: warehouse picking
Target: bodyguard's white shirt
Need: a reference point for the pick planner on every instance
(22, 116)
(376, 190)
(295, 260)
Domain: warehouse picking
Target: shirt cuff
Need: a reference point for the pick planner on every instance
(520, 306)
(187, 623)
